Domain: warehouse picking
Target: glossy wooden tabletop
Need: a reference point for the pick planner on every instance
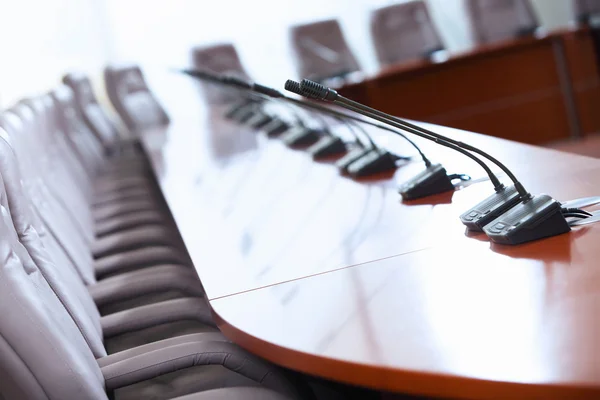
(341, 279)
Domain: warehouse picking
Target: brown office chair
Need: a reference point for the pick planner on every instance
(322, 51)
(221, 59)
(404, 32)
(496, 20)
(135, 103)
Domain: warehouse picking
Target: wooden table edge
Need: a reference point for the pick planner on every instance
(393, 380)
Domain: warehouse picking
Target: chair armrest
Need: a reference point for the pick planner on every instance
(188, 308)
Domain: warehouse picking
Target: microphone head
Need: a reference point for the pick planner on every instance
(293, 86)
(315, 90)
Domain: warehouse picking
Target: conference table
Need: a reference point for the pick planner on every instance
(339, 278)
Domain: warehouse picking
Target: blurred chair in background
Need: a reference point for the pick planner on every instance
(90, 111)
(404, 32)
(586, 10)
(222, 59)
(219, 58)
(135, 103)
(497, 20)
(322, 52)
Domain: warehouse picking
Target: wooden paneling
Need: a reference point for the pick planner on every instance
(529, 90)
(585, 74)
(511, 91)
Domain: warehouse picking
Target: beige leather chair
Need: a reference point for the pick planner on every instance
(68, 201)
(130, 95)
(109, 182)
(92, 113)
(44, 354)
(37, 139)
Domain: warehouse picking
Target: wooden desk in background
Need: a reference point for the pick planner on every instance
(341, 279)
(528, 90)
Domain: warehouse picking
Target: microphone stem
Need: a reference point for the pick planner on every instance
(404, 124)
(308, 104)
(493, 178)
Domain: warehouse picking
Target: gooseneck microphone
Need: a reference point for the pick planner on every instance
(435, 175)
(319, 109)
(258, 119)
(375, 156)
(317, 91)
(359, 162)
(329, 144)
(510, 216)
(301, 135)
(241, 110)
(322, 142)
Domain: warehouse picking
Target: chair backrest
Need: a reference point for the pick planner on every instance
(90, 110)
(77, 131)
(44, 234)
(42, 352)
(321, 51)
(130, 95)
(219, 58)
(404, 32)
(45, 142)
(584, 9)
(496, 20)
(38, 174)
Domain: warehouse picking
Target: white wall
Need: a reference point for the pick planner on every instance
(48, 37)
(41, 39)
(161, 33)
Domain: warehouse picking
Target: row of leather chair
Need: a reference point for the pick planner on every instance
(98, 297)
(400, 33)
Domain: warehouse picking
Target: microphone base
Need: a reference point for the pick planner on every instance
(327, 146)
(374, 162)
(490, 209)
(259, 120)
(245, 115)
(301, 136)
(236, 108)
(536, 218)
(432, 180)
(275, 128)
(345, 162)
